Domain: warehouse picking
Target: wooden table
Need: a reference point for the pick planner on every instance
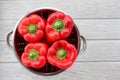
(97, 20)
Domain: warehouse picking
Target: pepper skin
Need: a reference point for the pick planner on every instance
(59, 26)
(34, 55)
(61, 54)
(32, 28)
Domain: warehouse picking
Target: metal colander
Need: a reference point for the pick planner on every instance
(19, 43)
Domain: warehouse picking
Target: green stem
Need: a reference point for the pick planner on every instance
(58, 25)
(61, 54)
(33, 54)
(32, 28)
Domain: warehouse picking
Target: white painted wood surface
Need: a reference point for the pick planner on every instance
(90, 28)
(80, 70)
(77, 9)
(97, 50)
(97, 20)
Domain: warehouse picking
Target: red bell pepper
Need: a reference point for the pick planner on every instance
(61, 54)
(32, 27)
(59, 26)
(34, 55)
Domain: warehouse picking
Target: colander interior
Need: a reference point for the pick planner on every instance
(20, 43)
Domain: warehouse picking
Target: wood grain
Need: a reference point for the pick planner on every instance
(97, 51)
(97, 20)
(79, 70)
(14, 9)
(99, 29)
(90, 28)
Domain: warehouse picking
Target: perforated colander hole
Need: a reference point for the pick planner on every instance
(21, 44)
(72, 32)
(21, 49)
(52, 68)
(49, 13)
(19, 35)
(46, 69)
(41, 14)
(72, 39)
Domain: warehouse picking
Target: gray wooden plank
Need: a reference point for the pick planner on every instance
(90, 28)
(99, 28)
(97, 51)
(14, 9)
(101, 50)
(7, 54)
(6, 27)
(79, 70)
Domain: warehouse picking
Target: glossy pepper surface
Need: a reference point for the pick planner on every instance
(34, 55)
(61, 54)
(32, 28)
(59, 26)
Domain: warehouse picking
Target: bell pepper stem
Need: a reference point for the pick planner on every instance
(33, 54)
(32, 28)
(58, 25)
(61, 53)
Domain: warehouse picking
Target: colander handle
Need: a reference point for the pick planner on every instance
(84, 44)
(8, 40)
